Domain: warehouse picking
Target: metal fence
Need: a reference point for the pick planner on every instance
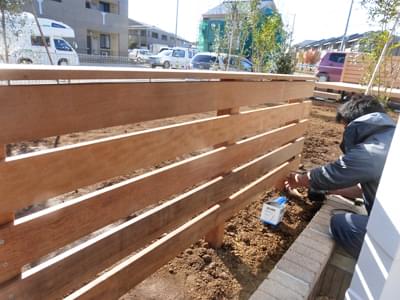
(57, 58)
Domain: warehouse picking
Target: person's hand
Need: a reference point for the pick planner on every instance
(296, 180)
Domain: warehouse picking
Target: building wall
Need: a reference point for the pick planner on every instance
(84, 20)
(146, 37)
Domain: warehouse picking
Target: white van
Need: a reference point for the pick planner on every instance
(25, 44)
(180, 58)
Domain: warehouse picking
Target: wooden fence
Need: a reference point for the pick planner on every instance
(236, 153)
(357, 67)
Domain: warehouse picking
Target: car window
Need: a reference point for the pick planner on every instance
(246, 65)
(337, 57)
(204, 59)
(190, 54)
(143, 52)
(61, 45)
(178, 53)
(165, 53)
(37, 41)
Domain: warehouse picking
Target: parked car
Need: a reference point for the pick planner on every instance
(218, 62)
(331, 66)
(162, 59)
(181, 57)
(139, 55)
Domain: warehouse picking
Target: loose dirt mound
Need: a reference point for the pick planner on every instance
(250, 249)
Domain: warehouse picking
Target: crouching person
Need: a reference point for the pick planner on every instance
(368, 132)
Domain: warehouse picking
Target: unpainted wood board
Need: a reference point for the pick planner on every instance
(32, 112)
(327, 95)
(36, 177)
(123, 277)
(69, 273)
(73, 220)
(18, 72)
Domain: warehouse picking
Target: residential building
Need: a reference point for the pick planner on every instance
(101, 26)
(213, 22)
(143, 35)
(352, 43)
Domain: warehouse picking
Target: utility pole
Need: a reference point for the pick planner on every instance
(176, 23)
(342, 46)
(291, 34)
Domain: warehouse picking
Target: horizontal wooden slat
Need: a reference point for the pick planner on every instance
(18, 72)
(327, 95)
(81, 266)
(36, 177)
(31, 112)
(70, 221)
(124, 276)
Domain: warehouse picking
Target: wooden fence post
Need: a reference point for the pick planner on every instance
(215, 237)
(5, 217)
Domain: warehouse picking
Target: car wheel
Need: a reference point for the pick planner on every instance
(167, 65)
(25, 61)
(63, 62)
(323, 78)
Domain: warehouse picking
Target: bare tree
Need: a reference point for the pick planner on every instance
(8, 10)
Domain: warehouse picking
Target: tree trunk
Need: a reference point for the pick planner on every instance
(3, 27)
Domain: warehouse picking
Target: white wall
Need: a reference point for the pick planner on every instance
(377, 274)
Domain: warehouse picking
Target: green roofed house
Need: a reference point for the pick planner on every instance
(213, 22)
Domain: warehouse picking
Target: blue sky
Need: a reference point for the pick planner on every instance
(315, 19)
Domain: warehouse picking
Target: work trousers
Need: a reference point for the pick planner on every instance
(348, 230)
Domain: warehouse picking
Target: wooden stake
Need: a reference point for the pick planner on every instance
(215, 237)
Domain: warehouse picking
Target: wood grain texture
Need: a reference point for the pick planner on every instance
(37, 177)
(160, 257)
(27, 111)
(216, 236)
(394, 94)
(18, 72)
(69, 223)
(123, 277)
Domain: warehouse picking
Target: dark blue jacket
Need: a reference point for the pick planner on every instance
(365, 145)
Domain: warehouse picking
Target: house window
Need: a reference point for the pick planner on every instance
(142, 32)
(37, 41)
(105, 41)
(104, 6)
(57, 0)
(164, 37)
(154, 35)
(88, 4)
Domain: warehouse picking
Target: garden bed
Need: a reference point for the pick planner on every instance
(250, 249)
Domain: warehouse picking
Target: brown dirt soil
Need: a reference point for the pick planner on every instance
(250, 249)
